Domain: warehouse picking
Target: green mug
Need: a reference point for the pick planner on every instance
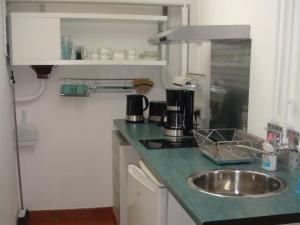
(81, 89)
(67, 89)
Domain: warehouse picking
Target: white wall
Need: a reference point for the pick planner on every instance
(8, 174)
(262, 17)
(71, 165)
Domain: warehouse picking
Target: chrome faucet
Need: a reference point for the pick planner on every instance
(257, 150)
(277, 149)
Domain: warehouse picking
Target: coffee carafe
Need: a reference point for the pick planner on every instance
(156, 110)
(135, 109)
(179, 118)
(173, 123)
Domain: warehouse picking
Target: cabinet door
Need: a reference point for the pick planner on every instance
(34, 39)
(176, 214)
(128, 155)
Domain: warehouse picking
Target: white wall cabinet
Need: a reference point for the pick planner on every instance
(36, 37)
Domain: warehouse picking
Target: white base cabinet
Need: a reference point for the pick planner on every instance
(176, 214)
(147, 202)
(150, 203)
(123, 155)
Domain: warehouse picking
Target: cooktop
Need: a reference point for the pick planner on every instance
(169, 143)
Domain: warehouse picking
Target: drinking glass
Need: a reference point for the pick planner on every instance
(66, 46)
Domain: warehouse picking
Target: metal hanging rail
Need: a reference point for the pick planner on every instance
(96, 85)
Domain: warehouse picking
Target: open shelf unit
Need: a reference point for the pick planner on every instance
(41, 36)
(94, 16)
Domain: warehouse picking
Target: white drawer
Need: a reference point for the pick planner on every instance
(116, 197)
(118, 139)
(116, 151)
(116, 163)
(116, 201)
(115, 146)
(116, 179)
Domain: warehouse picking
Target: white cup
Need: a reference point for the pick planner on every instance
(105, 54)
(119, 55)
(94, 55)
(86, 54)
(131, 54)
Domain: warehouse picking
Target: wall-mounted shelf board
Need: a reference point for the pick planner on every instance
(127, 2)
(93, 16)
(93, 62)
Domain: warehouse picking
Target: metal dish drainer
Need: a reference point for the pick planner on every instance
(227, 146)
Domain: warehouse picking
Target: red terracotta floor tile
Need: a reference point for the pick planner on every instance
(40, 221)
(74, 221)
(102, 211)
(104, 220)
(43, 217)
(70, 214)
(101, 216)
(42, 214)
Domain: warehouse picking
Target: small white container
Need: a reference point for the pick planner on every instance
(94, 55)
(131, 54)
(293, 160)
(119, 55)
(269, 162)
(105, 54)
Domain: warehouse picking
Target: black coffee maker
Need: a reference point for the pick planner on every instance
(178, 120)
(135, 109)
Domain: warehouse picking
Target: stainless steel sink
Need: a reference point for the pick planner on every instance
(236, 183)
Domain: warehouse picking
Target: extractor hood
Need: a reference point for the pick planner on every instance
(202, 33)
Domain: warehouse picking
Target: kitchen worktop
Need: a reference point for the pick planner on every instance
(173, 166)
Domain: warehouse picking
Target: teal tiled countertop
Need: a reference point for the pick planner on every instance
(173, 166)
